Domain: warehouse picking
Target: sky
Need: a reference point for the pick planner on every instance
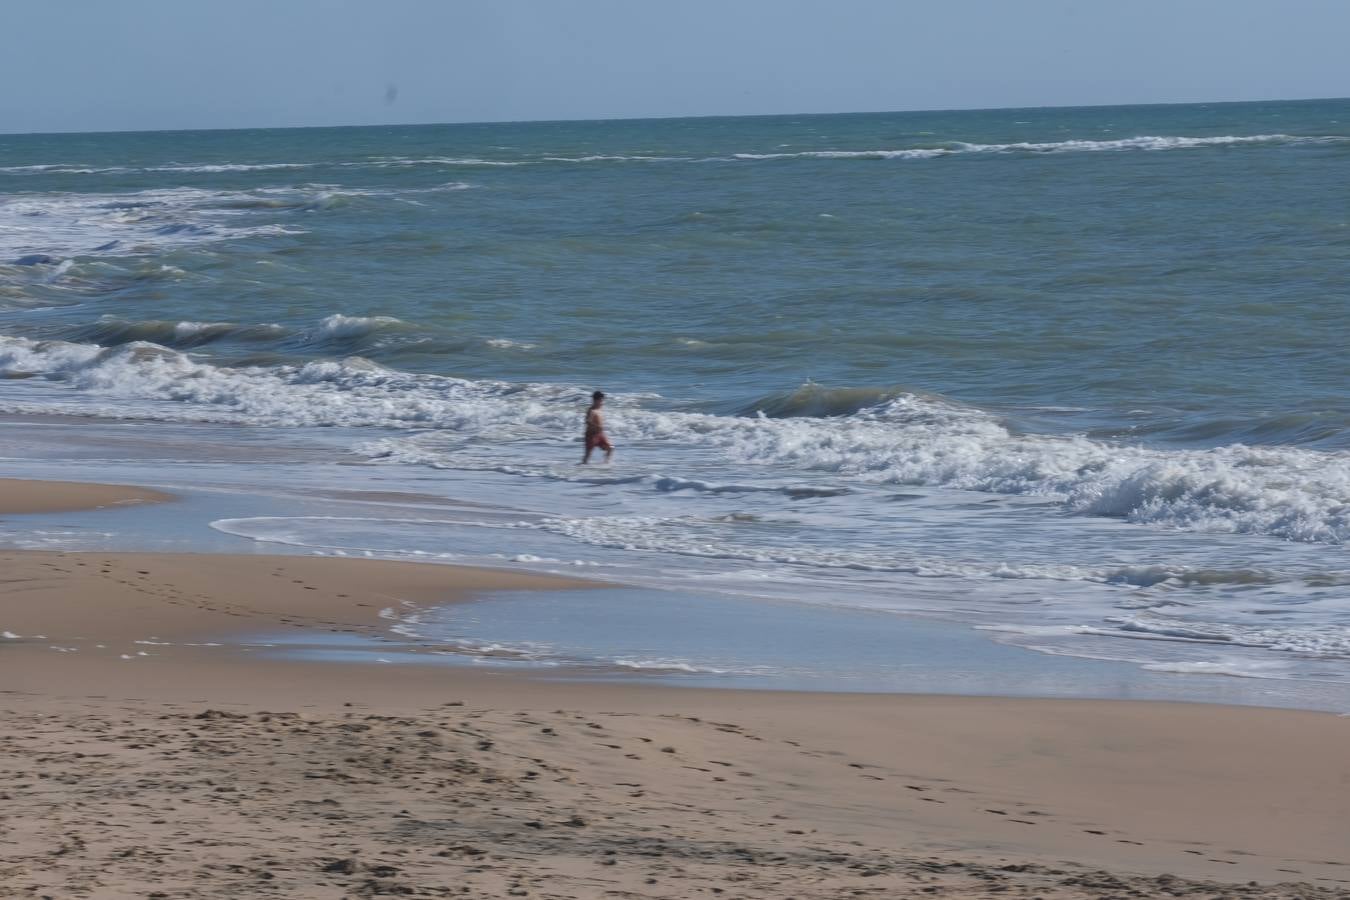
(114, 65)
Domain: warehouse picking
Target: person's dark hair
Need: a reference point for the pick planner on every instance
(598, 395)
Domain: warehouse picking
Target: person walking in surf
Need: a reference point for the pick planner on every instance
(595, 430)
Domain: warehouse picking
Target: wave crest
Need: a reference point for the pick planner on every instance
(1288, 492)
(177, 335)
(817, 401)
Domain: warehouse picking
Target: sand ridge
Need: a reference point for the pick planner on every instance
(115, 598)
(19, 496)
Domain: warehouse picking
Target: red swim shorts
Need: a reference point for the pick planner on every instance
(598, 440)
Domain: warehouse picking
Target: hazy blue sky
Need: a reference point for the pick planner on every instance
(91, 65)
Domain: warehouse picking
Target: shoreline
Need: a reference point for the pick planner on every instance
(974, 792)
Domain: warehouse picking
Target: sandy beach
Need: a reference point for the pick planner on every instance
(151, 749)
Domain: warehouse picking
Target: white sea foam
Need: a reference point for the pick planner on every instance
(1325, 641)
(407, 162)
(63, 169)
(1038, 630)
(59, 224)
(1293, 493)
(185, 330)
(65, 224)
(911, 153)
(668, 665)
(1142, 142)
(186, 168)
(1234, 668)
(232, 168)
(1080, 145)
(691, 536)
(1149, 142)
(215, 168)
(600, 157)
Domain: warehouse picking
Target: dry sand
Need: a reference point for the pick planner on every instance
(212, 772)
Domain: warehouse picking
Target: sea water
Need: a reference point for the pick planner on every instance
(1074, 379)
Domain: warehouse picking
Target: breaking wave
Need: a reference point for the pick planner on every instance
(340, 334)
(818, 401)
(177, 335)
(46, 226)
(1298, 494)
(138, 223)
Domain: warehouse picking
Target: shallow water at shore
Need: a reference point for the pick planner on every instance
(660, 624)
(995, 368)
(705, 640)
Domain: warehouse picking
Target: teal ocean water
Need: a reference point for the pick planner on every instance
(1074, 377)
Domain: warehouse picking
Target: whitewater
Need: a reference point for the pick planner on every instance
(1072, 379)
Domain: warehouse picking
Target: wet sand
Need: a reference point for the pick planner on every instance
(19, 496)
(150, 751)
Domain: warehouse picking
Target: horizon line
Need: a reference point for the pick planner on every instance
(602, 119)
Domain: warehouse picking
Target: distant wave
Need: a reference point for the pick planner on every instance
(1288, 492)
(508, 344)
(202, 168)
(618, 157)
(1150, 142)
(1143, 142)
(379, 162)
(213, 168)
(941, 149)
(62, 169)
(404, 161)
(910, 153)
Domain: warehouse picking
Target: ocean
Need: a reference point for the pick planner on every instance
(1074, 381)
